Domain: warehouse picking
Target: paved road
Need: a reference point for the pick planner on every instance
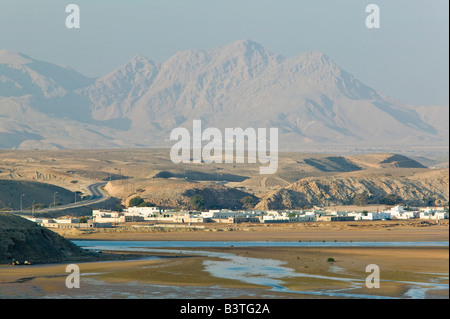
(97, 195)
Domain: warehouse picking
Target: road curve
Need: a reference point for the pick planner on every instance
(97, 195)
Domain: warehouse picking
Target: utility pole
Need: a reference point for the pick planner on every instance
(54, 199)
(21, 207)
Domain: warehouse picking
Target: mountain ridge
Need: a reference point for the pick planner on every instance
(308, 97)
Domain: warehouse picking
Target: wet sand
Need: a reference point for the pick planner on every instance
(309, 270)
(399, 267)
(48, 281)
(299, 272)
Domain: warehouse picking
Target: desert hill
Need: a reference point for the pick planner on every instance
(42, 194)
(385, 161)
(22, 240)
(419, 189)
(177, 193)
(302, 178)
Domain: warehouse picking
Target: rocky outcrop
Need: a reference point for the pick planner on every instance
(22, 240)
(178, 195)
(424, 189)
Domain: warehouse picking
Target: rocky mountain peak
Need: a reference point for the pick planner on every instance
(13, 58)
(241, 84)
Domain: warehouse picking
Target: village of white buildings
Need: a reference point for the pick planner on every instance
(159, 217)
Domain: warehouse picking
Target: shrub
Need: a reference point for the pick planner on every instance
(83, 220)
(135, 201)
(197, 202)
(248, 202)
(391, 199)
(361, 199)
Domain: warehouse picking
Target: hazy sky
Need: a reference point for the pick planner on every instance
(407, 58)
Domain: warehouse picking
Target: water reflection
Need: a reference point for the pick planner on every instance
(271, 273)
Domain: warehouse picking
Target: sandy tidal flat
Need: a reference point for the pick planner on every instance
(313, 231)
(244, 272)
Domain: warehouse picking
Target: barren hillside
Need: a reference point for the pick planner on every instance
(22, 240)
(302, 179)
(423, 188)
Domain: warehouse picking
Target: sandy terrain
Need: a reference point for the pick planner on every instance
(301, 272)
(399, 269)
(314, 231)
(150, 174)
(396, 264)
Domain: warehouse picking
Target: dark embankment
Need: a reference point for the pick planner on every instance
(22, 240)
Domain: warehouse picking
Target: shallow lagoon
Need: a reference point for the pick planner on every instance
(269, 273)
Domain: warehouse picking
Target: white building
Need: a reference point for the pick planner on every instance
(303, 218)
(187, 218)
(67, 220)
(143, 211)
(395, 211)
(105, 213)
(106, 216)
(408, 215)
(64, 223)
(220, 214)
(433, 216)
(441, 215)
(370, 216)
(275, 219)
(428, 210)
(41, 220)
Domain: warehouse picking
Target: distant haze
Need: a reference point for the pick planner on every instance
(407, 58)
(311, 100)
